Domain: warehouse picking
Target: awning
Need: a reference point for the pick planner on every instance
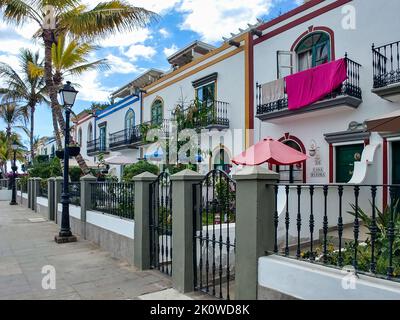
(271, 151)
(386, 123)
(119, 160)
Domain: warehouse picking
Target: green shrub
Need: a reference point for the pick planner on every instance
(45, 170)
(75, 174)
(138, 168)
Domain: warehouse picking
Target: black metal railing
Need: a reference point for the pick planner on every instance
(350, 87)
(44, 189)
(214, 216)
(74, 189)
(340, 225)
(137, 134)
(202, 114)
(117, 199)
(161, 224)
(4, 183)
(386, 64)
(97, 145)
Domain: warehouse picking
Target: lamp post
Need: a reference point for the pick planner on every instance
(68, 96)
(14, 169)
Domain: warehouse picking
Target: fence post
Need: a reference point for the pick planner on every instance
(141, 253)
(50, 198)
(255, 207)
(30, 193)
(86, 199)
(36, 192)
(182, 229)
(57, 196)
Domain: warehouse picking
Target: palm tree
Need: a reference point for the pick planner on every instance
(27, 89)
(70, 59)
(75, 19)
(6, 139)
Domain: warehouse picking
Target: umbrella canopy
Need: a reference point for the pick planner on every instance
(119, 160)
(154, 153)
(73, 163)
(385, 123)
(271, 151)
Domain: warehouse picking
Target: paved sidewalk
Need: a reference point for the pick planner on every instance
(83, 271)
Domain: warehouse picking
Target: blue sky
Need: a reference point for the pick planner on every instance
(181, 22)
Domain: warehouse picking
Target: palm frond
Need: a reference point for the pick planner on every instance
(17, 12)
(104, 19)
(100, 65)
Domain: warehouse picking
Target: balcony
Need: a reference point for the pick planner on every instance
(96, 146)
(348, 96)
(203, 115)
(135, 137)
(386, 64)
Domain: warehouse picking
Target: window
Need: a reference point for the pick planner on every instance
(130, 119)
(396, 166)
(157, 112)
(206, 93)
(222, 161)
(291, 173)
(313, 51)
(53, 151)
(80, 136)
(345, 158)
(103, 132)
(90, 132)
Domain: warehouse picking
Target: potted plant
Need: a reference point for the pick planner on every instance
(60, 154)
(74, 149)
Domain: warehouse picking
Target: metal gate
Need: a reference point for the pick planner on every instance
(161, 224)
(214, 216)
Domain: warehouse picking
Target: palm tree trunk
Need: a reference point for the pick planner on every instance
(48, 38)
(32, 131)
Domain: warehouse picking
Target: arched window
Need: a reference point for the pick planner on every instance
(80, 136)
(90, 132)
(313, 50)
(222, 161)
(291, 173)
(157, 112)
(130, 119)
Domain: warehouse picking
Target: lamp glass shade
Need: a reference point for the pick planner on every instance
(14, 146)
(68, 95)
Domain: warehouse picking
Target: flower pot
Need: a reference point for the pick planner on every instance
(74, 151)
(60, 154)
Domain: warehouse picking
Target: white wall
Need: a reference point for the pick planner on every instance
(303, 280)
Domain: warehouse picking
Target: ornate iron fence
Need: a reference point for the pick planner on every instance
(75, 193)
(161, 224)
(386, 64)
(340, 225)
(117, 199)
(44, 189)
(214, 234)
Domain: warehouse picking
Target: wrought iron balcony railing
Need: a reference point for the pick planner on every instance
(351, 87)
(203, 114)
(136, 135)
(96, 146)
(386, 64)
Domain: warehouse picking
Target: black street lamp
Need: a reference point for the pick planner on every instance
(68, 96)
(14, 169)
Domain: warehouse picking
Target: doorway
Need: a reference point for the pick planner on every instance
(345, 158)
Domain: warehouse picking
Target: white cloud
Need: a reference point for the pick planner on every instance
(11, 60)
(157, 6)
(213, 19)
(170, 51)
(126, 38)
(139, 51)
(121, 66)
(164, 33)
(90, 87)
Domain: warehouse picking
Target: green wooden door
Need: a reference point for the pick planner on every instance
(345, 158)
(396, 166)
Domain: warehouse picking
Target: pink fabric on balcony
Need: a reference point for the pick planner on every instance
(309, 86)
